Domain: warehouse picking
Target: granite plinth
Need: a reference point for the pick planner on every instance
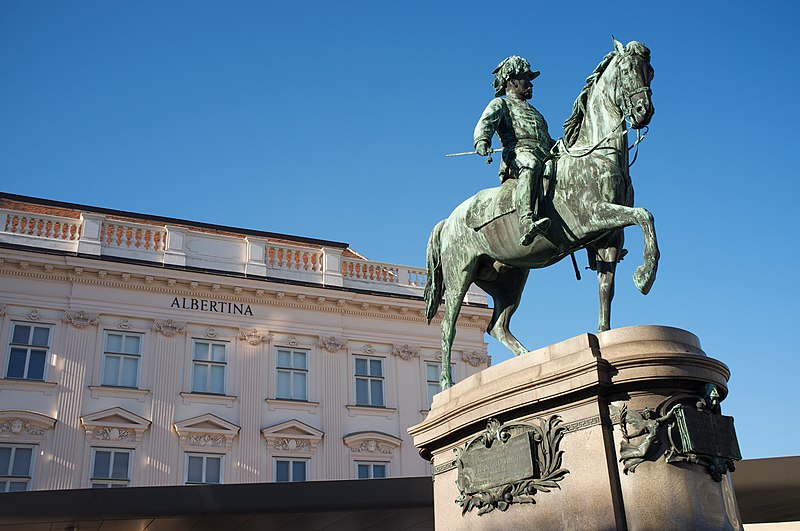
(581, 379)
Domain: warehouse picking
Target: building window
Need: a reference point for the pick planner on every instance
(15, 467)
(291, 470)
(371, 470)
(432, 371)
(203, 468)
(111, 468)
(369, 382)
(208, 367)
(121, 359)
(292, 376)
(29, 346)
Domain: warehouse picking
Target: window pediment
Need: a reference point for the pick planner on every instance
(372, 443)
(22, 424)
(292, 436)
(115, 425)
(206, 431)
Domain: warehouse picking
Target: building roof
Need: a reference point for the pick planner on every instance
(767, 490)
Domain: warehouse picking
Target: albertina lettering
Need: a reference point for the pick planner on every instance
(211, 306)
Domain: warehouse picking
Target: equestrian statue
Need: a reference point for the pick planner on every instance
(555, 198)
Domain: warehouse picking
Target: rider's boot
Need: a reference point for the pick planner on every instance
(528, 227)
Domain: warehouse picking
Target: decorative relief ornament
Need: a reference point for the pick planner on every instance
(509, 464)
(210, 333)
(253, 336)
(293, 341)
(124, 324)
(332, 343)
(168, 327)
(34, 315)
(2, 310)
(18, 426)
(292, 445)
(371, 446)
(438, 356)
(368, 349)
(81, 319)
(207, 439)
(475, 358)
(405, 352)
(104, 433)
(696, 430)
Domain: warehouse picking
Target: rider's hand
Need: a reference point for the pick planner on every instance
(482, 148)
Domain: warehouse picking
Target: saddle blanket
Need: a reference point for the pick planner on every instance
(490, 204)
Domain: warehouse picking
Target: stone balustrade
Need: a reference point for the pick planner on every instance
(41, 226)
(258, 257)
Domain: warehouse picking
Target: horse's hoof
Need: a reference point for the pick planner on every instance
(643, 280)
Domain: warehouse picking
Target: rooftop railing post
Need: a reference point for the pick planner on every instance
(256, 264)
(332, 266)
(91, 241)
(174, 247)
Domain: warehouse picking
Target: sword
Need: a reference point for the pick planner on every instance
(488, 158)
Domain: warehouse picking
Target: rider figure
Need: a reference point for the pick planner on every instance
(525, 139)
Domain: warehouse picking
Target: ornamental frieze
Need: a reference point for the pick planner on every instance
(168, 327)
(372, 446)
(104, 433)
(206, 440)
(253, 336)
(405, 352)
(476, 358)
(293, 445)
(332, 343)
(81, 319)
(18, 426)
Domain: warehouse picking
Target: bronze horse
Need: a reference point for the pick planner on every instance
(589, 199)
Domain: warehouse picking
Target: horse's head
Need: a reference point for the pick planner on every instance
(634, 75)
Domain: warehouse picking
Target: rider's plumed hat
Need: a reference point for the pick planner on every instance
(514, 66)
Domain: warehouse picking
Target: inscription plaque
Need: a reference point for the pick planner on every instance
(484, 468)
(509, 464)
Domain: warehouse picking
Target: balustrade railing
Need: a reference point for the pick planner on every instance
(293, 258)
(148, 242)
(51, 227)
(133, 236)
(369, 271)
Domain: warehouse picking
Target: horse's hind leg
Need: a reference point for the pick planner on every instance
(506, 292)
(605, 262)
(607, 216)
(457, 286)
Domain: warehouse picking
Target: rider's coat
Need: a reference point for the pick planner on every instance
(522, 131)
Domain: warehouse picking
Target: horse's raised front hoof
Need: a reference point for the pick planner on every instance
(644, 279)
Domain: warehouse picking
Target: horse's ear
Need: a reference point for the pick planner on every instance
(618, 45)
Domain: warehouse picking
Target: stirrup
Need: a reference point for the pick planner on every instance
(539, 226)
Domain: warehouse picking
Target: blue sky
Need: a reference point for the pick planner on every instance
(331, 120)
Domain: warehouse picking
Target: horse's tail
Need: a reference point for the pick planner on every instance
(434, 288)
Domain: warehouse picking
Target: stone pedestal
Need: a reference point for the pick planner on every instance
(596, 385)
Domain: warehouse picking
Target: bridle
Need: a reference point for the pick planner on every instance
(627, 116)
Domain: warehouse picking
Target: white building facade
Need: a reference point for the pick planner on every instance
(151, 351)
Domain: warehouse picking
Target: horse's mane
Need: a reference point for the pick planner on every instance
(572, 126)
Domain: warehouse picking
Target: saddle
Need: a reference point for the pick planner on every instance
(491, 203)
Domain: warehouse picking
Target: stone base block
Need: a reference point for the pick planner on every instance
(621, 429)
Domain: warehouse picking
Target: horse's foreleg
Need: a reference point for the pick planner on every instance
(608, 216)
(506, 292)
